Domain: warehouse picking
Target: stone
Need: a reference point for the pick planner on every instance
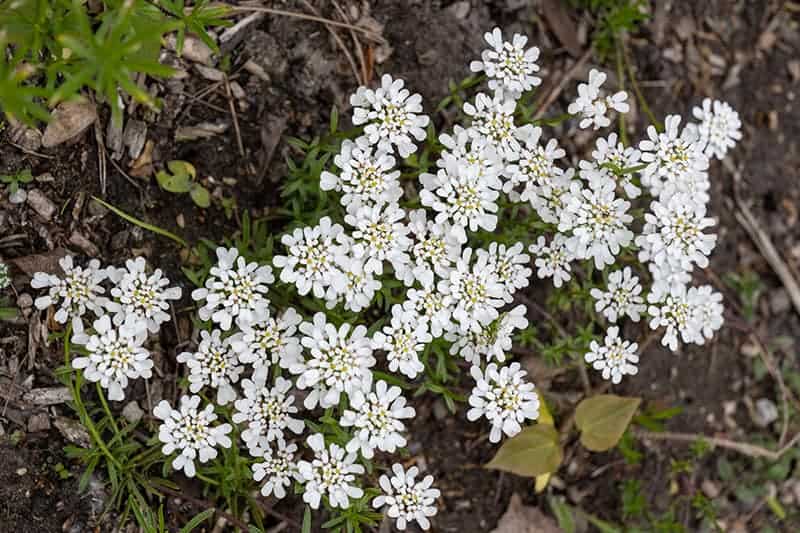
(68, 121)
(40, 203)
(765, 412)
(132, 412)
(38, 422)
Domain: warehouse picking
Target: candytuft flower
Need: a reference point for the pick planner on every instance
(504, 398)
(376, 415)
(492, 341)
(719, 129)
(314, 257)
(407, 499)
(622, 297)
(215, 364)
(493, 121)
(380, 235)
(77, 291)
(331, 473)
(552, 261)
(339, 360)
(508, 65)
(392, 116)
(615, 358)
(268, 340)
(267, 411)
(115, 354)
(145, 297)
(475, 290)
(189, 430)
(592, 107)
(403, 340)
(234, 289)
(278, 467)
(365, 177)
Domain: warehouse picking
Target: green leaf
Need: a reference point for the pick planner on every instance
(603, 419)
(179, 178)
(197, 520)
(535, 451)
(307, 520)
(200, 195)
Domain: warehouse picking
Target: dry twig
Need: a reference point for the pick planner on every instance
(551, 97)
(339, 42)
(750, 450)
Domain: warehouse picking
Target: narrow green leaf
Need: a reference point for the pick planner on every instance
(535, 451)
(197, 520)
(307, 520)
(603, 419)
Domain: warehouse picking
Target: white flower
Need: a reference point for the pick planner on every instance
(392, 116)
(536, 163)
(504, 398)
(550, 198)
(314, 255)
(596, 219)
(553, 261)
(508, 65)
(77, 291)
(115, 355)
(339, 361)
(380, 235)
(492, 341)
(510, 265)
(475, 290)
(615, 358)
(358, 287)
(279, 467)
(331, 473)
(19, 196)
(267, 411)
(719, 128)
(673, 233)
(403, 341)
(676, 314)
(609, 152)
(461, 196)
(665, 277)
(622, 297)
(215, 363)
(234, 289)
(190, 432)
(432, 307)
(493, 120)
(462, 148)
(408, 500)
(376, 417)
(434, 251)
(142, 296)
(672, 158)
(5, 279)
(707, 308)
(592, 107)
(268, 340)
(365, 177)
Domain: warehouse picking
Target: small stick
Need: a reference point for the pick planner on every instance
(750, 450)
(339, 42)
(359, 50)
(232, 108)
(568, 75)
(315, 18)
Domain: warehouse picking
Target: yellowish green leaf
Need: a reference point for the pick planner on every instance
(533, 452)
(603, 419)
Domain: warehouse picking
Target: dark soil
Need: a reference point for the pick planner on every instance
(737, 50)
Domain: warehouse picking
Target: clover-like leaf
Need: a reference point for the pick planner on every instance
(603, 419)
(200, 195)
(533, 452)
(179, 178)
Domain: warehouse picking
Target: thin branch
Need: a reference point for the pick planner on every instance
(234, 116)
(359, 51)
(294, 14)
(568, 75)
(750, 450)
(339, 42)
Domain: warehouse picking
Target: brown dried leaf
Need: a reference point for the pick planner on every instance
(520, 518)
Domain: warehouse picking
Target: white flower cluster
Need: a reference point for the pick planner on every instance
(460, 287)
(115, 345)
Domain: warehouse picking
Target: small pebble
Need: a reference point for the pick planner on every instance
(40, 203)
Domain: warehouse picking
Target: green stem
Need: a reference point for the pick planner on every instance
(639, 96)
(144, 225)
(623, 132)
(206, 479)
(82, 413)
(106, 409)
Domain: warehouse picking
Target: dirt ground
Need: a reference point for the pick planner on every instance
(743, 51)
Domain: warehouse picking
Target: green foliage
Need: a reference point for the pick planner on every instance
(57, 49)
(533, 452)
(612, 18)
(749, 287)
(14, 180)
(602, 420)
(181, 179)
